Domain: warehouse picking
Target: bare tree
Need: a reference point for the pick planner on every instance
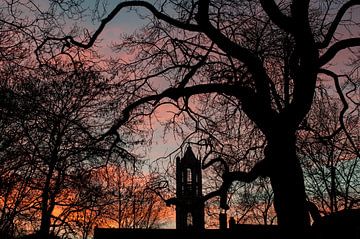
(330, 159)
(265, 56)
(256, 62)
(134, 203)
(53, 145)
(51, 116)
(14, 171)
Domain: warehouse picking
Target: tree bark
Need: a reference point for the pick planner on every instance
(287, 182)
(44, 230)
(46, 206)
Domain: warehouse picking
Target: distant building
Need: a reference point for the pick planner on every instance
(190, 216)
(189, 204)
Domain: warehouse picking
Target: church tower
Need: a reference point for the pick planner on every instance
(190, 206)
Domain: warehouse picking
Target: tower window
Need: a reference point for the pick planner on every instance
(189, 175)
(189, 219)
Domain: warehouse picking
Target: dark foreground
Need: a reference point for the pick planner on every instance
(241, 232)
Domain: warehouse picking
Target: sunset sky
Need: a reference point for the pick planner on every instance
(264, 108)
(126, 22)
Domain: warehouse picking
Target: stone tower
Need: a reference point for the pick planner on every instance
(190, 206)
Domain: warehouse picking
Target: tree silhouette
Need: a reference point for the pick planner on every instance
(263, 58)
(51, 161)
(52, 120)
(331, 163)
(133, 202)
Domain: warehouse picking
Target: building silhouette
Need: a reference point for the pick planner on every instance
(189, 203)
(190, 216)
(190, 223)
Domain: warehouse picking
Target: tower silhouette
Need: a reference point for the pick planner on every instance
(190, 206)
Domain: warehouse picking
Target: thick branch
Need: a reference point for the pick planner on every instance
(336, 48)
(275, 14)
(300, 9)
(194, 69)
(305, 66)
(259, 170)
(113, 13)
(335, 23)
(237, 51)
(252, 107)
(218, 159)
(344, 109)
(261, 95)
(172, 93)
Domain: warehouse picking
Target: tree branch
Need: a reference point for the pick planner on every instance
(344, 109)
(259, 170)
(336, 48)
(235, 50)
(335, 23)
(244, 94)
(110, 17)
(212, 161)
(274, 13)
(194, 69)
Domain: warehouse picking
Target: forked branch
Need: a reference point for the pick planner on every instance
(158, 14)
(345, 107)
(335, 23)
(336, 48)
(259, 170)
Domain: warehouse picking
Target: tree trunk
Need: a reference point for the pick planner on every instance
(46, 207)
(44, 230)
(288, 185)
